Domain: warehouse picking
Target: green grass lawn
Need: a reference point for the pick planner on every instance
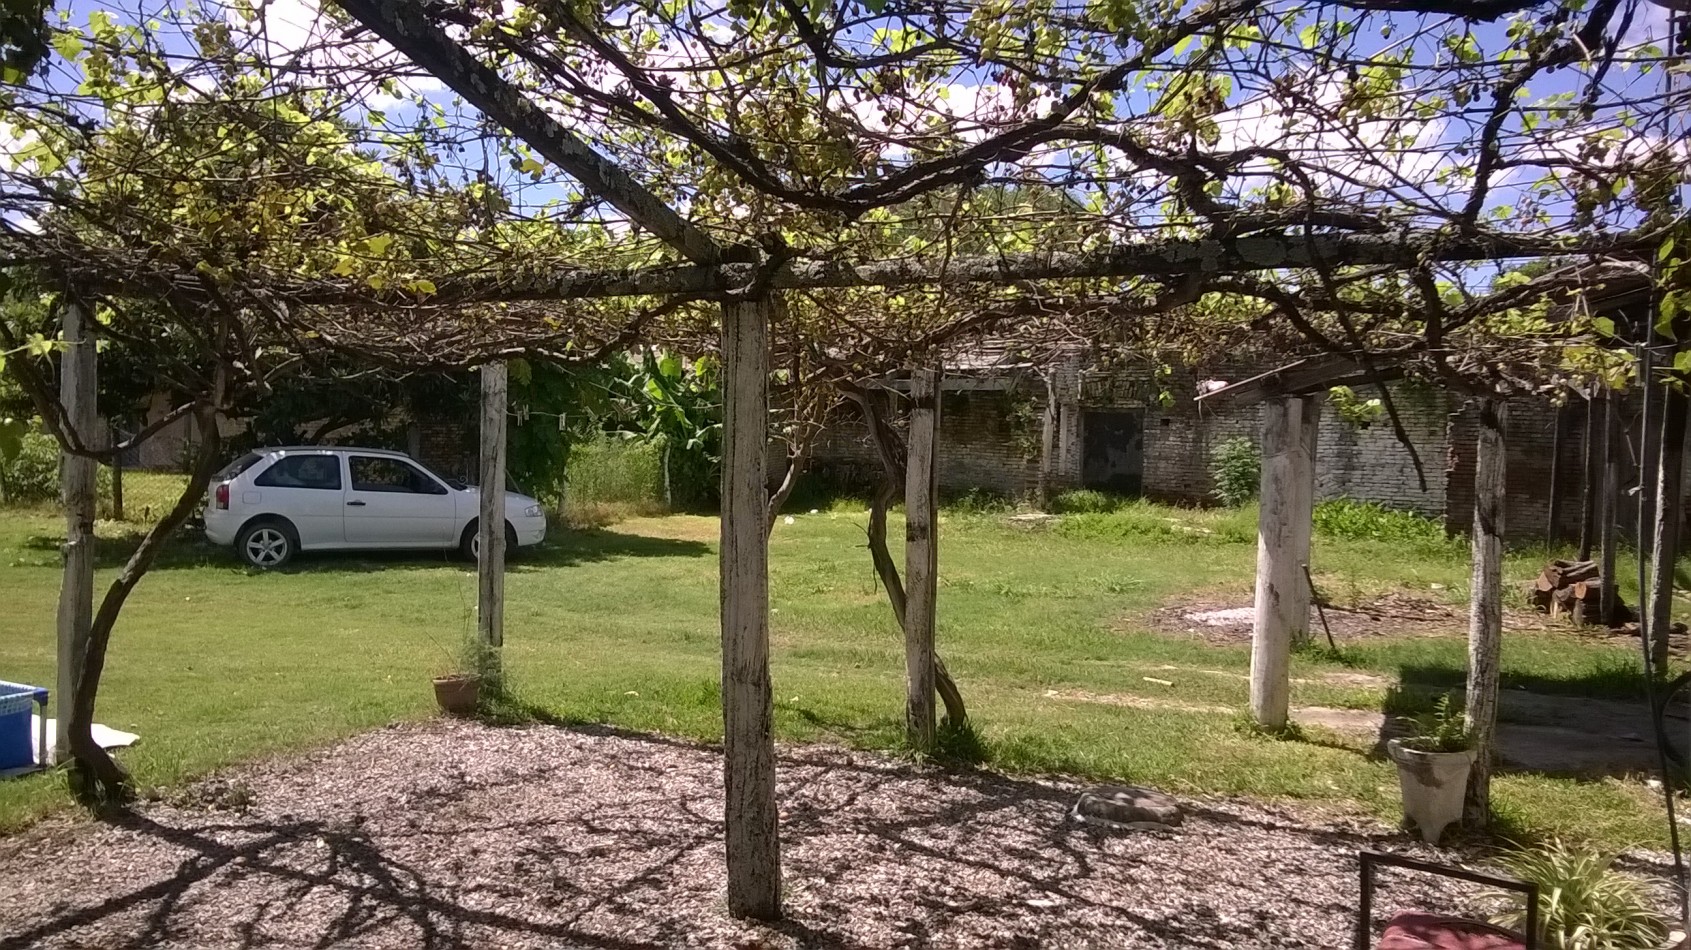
(1045, 630)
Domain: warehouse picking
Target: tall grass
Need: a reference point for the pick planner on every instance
(1343, 519)
(1144, 520)
(610, 478)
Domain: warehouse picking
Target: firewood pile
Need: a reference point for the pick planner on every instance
(1575, 588)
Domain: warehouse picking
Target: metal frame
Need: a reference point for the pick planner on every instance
(1372, 859)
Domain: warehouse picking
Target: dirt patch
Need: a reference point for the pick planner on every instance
(1227, 620)
(449, 835)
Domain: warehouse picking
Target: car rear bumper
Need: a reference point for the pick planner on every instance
(220, 527)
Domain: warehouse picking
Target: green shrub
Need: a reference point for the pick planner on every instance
(1084, 501)
(1236, 469)
(1584, 903)
(1346, 520)
(1141, 520)
(31, 476)
(979, 501)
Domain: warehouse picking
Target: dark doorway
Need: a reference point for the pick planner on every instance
(1113, 450)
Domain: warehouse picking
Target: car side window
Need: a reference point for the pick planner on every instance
(372, 473)
(302, 471)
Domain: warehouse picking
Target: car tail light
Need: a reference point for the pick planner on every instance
(223, 497)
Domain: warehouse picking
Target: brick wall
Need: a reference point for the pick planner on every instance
(979, 446)
(449, 446)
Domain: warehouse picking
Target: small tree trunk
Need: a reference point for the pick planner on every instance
(752, 832)
(1278, 578)
(1669, 474)
(95, 777)
(1485, 616)
(490, 524)
(921, 557)
(886, 449)
(77, 486)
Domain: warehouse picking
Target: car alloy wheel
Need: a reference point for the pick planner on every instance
(266, 547)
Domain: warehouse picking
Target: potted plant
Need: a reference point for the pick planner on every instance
(458, 694)
(1433, 763)
(458, 691)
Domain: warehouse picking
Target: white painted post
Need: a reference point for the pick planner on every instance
(1485, 614)
(752, 832)
(1301, 518)
(1048, 444)
(1279, 571)
(921, 557)
(490, 524)
(77, 389)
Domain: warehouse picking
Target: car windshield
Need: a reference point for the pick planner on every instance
(236, 467)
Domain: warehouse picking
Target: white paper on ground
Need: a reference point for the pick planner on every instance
(106, 736)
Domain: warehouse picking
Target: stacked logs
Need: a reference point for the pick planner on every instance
(1575, 588)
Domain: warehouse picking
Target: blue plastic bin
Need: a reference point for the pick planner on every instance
(17, 701)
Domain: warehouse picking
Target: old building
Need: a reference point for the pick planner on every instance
(1140, 430)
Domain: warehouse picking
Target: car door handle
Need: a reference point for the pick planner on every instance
(355, 504)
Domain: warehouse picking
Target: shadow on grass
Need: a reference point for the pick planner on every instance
(190, 549)
(1617, 677)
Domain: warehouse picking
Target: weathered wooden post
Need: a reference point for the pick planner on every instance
(117, 475)
(1278, 578)
(1485, 613)
(1048, 444)
(77, 390)
(1670, 472)
(1553, 512)
(1591, 476)
(1607, 511)
(753, 842)
(1301, 518)
(921, 556)
(490, 524)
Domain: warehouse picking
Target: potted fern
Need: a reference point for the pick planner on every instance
(1433, 763)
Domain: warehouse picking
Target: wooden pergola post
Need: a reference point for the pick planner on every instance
(1048, 444)
(921, 557)
(490, 525)
(753, 841)
(1287, 464)
(1485, 614)
(1591, 476)
(1608, 503)
(1670, 472)
(77, 473)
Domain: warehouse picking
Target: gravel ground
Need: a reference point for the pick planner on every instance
(452, 834)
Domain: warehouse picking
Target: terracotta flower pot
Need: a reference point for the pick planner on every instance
(458, 693)
(1434, 785)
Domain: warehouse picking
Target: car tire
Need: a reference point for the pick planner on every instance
(267, 544)
(469, 544)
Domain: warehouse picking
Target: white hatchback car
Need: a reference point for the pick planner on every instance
(275, 502)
